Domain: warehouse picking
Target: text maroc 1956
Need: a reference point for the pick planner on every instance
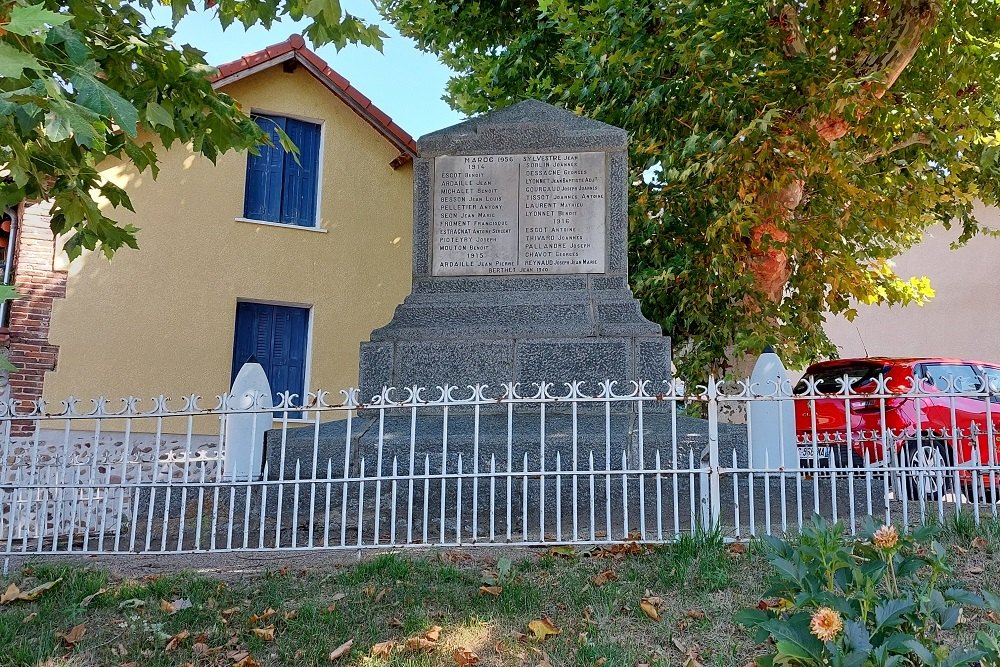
(519, 214)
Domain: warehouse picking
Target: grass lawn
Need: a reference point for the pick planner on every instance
(595, 599)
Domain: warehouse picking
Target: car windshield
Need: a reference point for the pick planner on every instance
(828, 380)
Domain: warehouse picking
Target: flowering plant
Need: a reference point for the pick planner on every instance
(870, 601)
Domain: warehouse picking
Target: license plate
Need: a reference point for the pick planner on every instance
(813, 453)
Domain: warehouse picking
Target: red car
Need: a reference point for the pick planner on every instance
(949, 421)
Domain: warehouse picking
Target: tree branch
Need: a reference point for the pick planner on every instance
(906, 31)
(787, 18)
(918, 138)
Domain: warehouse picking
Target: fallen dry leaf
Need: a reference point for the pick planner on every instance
(176, 640)
(490, 590)
(10, 594)
(383, 649)
(72, 637)
(600, 661)
(542, 628)
(247, 662)
(736, 548)
(266, 633)
(200, 648)
(696, 614)
(291, 615)
(338, 596)
(433, 634)
(980, 543)
(342, 650)
(263, 616)
(332, 608)
(13, 593)
(604, 577)
(974, 569)
(649, 609)
(229, 611)
(90, 598)
(418, 644)
(465, 657)
(174, 606)
(29, 618)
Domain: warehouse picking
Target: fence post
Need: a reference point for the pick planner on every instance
(714, 477)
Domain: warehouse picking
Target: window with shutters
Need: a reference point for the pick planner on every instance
(279, 188)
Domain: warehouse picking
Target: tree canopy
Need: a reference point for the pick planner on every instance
(781, 154)
(82, 81)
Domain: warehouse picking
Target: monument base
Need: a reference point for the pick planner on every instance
(479, 330)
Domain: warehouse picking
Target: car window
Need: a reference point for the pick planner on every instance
(828, 379)
(962, 375)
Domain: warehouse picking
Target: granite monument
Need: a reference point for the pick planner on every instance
(520, 268)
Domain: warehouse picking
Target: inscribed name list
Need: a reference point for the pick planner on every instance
(519, 214)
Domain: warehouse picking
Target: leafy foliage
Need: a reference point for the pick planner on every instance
(84, 81)
(883, 594)
(781, 155)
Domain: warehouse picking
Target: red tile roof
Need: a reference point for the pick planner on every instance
(294, 48)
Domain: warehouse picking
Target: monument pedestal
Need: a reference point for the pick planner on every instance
(520, 268)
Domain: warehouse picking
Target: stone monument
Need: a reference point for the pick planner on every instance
(520, 266)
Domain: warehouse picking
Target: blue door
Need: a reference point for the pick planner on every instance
(276, 336)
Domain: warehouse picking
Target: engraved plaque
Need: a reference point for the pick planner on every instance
(519, 214)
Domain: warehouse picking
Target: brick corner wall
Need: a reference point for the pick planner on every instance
(36, 278)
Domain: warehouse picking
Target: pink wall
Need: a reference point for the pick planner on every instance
(963, 319)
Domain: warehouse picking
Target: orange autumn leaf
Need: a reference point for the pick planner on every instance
(465, 657)
(74, 635)
(604, 577)
(263, 616)
(266, 633)
(383, 649)
(542, 628)
(490, 590)
(649, 609)
(433, 634)
(176, 640)
(419, 644)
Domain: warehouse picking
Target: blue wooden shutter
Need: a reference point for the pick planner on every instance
(245, 342)
(262, 198)
(277, 336)
(298, 201)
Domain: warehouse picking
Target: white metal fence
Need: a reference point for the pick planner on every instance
(577, 463)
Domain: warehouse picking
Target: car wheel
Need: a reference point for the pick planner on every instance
(923, 480)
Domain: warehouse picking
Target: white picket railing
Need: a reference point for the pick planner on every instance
(482, 465)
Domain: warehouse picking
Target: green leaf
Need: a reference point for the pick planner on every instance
(751, 618)
(158, 116)
(965, 597)
(14, 61)
(922, 652)
(857, 636)
(106, 101)
(795, 631)
(29, 19)
(890, 613)
(57, 127)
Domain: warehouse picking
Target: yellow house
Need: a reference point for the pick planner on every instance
(292, 261)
